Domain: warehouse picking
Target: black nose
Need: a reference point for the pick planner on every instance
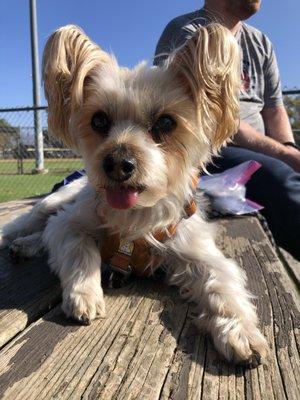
(117, 168)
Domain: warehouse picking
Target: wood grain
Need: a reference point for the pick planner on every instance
(27, 288)
(147, 347)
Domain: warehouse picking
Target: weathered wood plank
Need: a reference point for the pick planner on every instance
(27, 291)
(146, 348)
(8, 215)
(27, 288)
(13, 208)
(278, 305)
(291, 264)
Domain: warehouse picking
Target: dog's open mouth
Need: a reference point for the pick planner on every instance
(122, 197)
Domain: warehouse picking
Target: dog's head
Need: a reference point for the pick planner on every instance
(142, 132)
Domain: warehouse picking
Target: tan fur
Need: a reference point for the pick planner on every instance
(198, 87)
(203, 101)
(208, 66)
(69, 57)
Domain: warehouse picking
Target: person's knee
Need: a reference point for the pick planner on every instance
(275, 178)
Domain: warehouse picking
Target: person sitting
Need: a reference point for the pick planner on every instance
(264, 134)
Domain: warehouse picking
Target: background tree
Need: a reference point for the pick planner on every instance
(292, 104)
(8, 135)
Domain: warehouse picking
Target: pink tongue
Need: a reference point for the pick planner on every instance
(121, 198)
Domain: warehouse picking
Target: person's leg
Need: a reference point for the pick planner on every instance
(276, 186)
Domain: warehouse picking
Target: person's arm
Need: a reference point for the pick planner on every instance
(277, 124)
(252, 139)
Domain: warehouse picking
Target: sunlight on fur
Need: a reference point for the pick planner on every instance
(143, 135)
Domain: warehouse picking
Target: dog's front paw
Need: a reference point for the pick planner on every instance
(83, 305)
(240, 342)
(26, 247)
(19, 249)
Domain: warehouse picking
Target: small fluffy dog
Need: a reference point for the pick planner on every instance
(143, 135)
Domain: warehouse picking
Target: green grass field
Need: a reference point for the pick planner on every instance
(14, 186)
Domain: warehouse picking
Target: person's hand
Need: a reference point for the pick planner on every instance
(291, 157)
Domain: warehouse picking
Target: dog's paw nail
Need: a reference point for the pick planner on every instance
(85, 320)
(84, 307)
(256, 359)
(100, 311)
(242, 345)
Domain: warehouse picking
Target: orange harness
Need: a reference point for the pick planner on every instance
(136, 257)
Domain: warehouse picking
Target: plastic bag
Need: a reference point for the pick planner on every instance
(227, 190)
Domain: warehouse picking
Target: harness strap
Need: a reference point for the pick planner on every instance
(136, 257)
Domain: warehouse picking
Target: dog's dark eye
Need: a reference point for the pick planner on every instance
(101, 123)
(164, 124)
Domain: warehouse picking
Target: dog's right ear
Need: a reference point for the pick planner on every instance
(69, 59)
(208, 68)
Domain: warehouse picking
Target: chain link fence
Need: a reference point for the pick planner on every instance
(18, 173)
(18, 159)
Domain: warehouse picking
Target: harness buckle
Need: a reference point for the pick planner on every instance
(125, 272)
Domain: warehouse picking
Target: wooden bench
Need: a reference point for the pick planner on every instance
(146, 348)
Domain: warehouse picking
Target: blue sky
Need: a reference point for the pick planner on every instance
(130, 29)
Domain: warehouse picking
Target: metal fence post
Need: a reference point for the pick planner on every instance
(18, 153)
(39, 148)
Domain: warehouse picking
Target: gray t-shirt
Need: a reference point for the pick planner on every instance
(260, 76)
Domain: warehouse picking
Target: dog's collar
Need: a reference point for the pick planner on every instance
(135, 257)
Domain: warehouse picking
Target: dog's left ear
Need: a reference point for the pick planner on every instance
(208, 66)
(69, 60)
